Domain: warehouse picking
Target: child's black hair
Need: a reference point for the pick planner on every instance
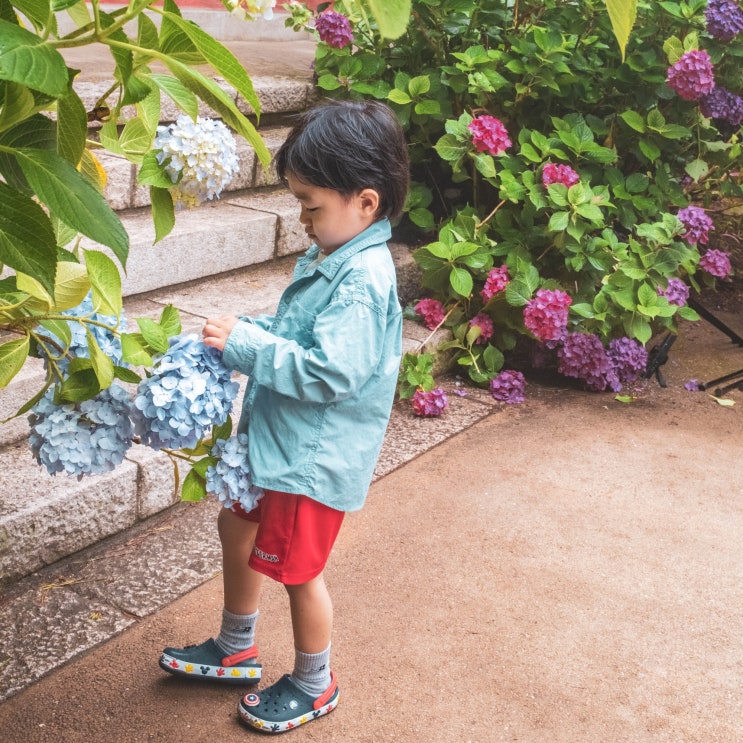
(348, 146)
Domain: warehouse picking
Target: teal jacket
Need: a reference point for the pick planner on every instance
(322, 373)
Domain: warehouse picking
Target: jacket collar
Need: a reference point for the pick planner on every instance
(375, 234)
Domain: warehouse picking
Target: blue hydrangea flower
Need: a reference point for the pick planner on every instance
(189, 391)
(109, 342)
(85, 438)
(229, 479)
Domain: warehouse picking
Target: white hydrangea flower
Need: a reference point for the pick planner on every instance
(251, 9)
(202, 153)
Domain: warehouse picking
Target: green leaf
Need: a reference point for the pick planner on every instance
(220, 58)
(178, 93)
(399, 96)
(18, 104)
(71, 285)
(559, 221)
(135, 139)
(103, 366)
(151, 173)
(105, 282)
(70, 196)
(518, 293)
(419, 85)
(163, 211)
(126, 375)
(212, 94)
(153, 334)
(697, 169)
(80, 385)
(13, 355)
(37, 11)
(724, 401)
(27, 241)
(392, 18)
(194, 487)
(170, 321)
(27, 59)
(72, 127)
(622, 14)
(133, 351)
(633, 120)
(461, 281)
(450, 148)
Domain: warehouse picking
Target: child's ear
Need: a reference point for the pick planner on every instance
(368, 201)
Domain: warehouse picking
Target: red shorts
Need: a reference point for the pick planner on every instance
(294, 538)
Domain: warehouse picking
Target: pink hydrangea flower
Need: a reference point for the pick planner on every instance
(485, 324)
(693, 75)
(430, 404)
(559, 174)
(432, 312)
(497, 281)
(508, 386)
(677, 292)
(334, 29)
(716, 263)
(489, 135)
(546, 315)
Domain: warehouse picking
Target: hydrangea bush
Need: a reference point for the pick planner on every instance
(562, 186)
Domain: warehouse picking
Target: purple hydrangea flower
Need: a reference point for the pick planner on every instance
(508, 386)
(430, 404)
(546, 315)
(485, 324)
(432, 312)
(722, 104)
(489, 135)
(716, 263)
(628, 357)
(677, 292)
(334, 29)
(583, 356)
(693, 75)
(497, 281)
(696, 223)
(692, 385)
(559, 174)
(724, 19)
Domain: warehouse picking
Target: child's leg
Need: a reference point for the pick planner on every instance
(242, 584)
(312, 623)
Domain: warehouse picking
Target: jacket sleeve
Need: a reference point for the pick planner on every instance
(348, 340)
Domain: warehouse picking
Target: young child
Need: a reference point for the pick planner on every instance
(322, 377)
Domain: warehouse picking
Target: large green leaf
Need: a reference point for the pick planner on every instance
(622, 14)
(178, 93)
(105, 281)
(12, 357)
(211, 93)
(16, 104)
(392, 17)
(70, 196)
(72, 127)
(37, 131)
(25, 58)
(27, 242)
(38, 12)
(220, 58)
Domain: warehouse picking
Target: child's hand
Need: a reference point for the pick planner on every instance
(217, 330)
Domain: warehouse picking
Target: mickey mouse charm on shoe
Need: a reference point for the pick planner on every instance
(284, 706)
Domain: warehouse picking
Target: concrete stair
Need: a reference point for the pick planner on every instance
(231, 256)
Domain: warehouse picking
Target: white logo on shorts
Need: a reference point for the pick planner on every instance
(261, 555)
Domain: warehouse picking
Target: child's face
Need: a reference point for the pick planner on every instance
(329, 218)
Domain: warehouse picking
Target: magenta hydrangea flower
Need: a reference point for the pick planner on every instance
(722, 104)
(692, 76)
(334, 29)
(716, 263)
(508, 386)
(489, 135)
(430, 404)
(583, 356)
(677, 292)
(546, 315)
(432, 312)
(697, 225)
(629, 359)
(724, 19)
(485, 324)
(559, 174)
(497, 281)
